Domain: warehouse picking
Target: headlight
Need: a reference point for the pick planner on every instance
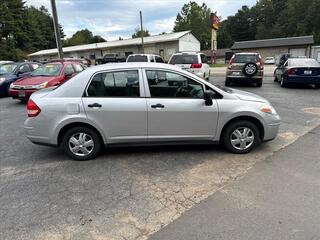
(268, 109)
(2, 80)
(40, 86)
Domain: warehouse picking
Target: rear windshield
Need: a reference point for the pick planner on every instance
(245, 58)
(48, 70)
(184, 59)
(304, 62)
(137, 58)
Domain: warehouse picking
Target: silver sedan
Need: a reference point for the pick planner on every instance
(146, 104)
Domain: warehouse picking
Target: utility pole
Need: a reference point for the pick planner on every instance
(142, 43)
(56, 28)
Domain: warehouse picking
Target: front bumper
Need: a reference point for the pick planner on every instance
(272, 128)
(21, 94)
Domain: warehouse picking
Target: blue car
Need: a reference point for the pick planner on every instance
(10, 72)
(298, 71)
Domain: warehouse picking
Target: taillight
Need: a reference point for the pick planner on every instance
(32, 109)
(261, 63)
(196, 65)
(231, 62)
(291, 71)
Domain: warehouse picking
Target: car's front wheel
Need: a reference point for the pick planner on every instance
(81, 143)
(241, 137)
(227, 82)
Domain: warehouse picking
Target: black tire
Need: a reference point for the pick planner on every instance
(23, 100)
(259, 83)
(227, 83)
(250, 69)
(283, 82)
(91, 133)
(317, 86)
(228, 131)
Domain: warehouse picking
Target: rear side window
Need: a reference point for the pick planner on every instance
(164, 84)
(115, 84)
(159, 59)
(184, 59)
(203, 58)
(245, 58)
(137, 58)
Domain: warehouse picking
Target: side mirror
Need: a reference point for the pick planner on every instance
(208, 96)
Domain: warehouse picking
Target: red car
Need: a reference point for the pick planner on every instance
(48, 75)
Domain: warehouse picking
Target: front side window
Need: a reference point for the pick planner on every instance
(24, 68)
(115, 84)
(164, 84)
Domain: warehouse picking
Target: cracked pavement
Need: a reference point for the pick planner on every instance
(127, 193)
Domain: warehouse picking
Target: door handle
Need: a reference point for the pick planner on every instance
(157, 106)
(95, 105)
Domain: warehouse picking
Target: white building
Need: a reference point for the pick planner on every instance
(164, 45)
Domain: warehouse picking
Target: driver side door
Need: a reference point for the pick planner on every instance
(176, 108)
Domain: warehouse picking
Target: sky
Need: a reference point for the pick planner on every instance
(113, 18)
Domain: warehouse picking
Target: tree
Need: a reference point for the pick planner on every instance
(197, 19)
(137, 33)
(83, 36)
(24, 30)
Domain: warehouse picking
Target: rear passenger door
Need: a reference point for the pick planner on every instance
(114, 101)
(176, 108)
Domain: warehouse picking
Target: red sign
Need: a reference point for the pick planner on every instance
(215, 21)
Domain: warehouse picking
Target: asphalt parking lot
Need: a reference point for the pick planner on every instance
(127, 193)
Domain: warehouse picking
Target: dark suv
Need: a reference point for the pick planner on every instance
(245, 67)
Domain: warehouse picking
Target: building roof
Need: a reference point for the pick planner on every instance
(118, 43)
(276, 42)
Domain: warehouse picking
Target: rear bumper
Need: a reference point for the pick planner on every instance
(21, 94)
(303, 79)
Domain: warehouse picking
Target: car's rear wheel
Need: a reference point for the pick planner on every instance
(240, 137)
(81, 143)
(283, 82)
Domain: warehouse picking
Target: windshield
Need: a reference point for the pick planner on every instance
(245, 58)
(184, 59)
(48, 70)
(7, 68)
(138, 58)
(304, 62)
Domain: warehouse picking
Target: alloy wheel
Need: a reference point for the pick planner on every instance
(81, 144)
(242, 138)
